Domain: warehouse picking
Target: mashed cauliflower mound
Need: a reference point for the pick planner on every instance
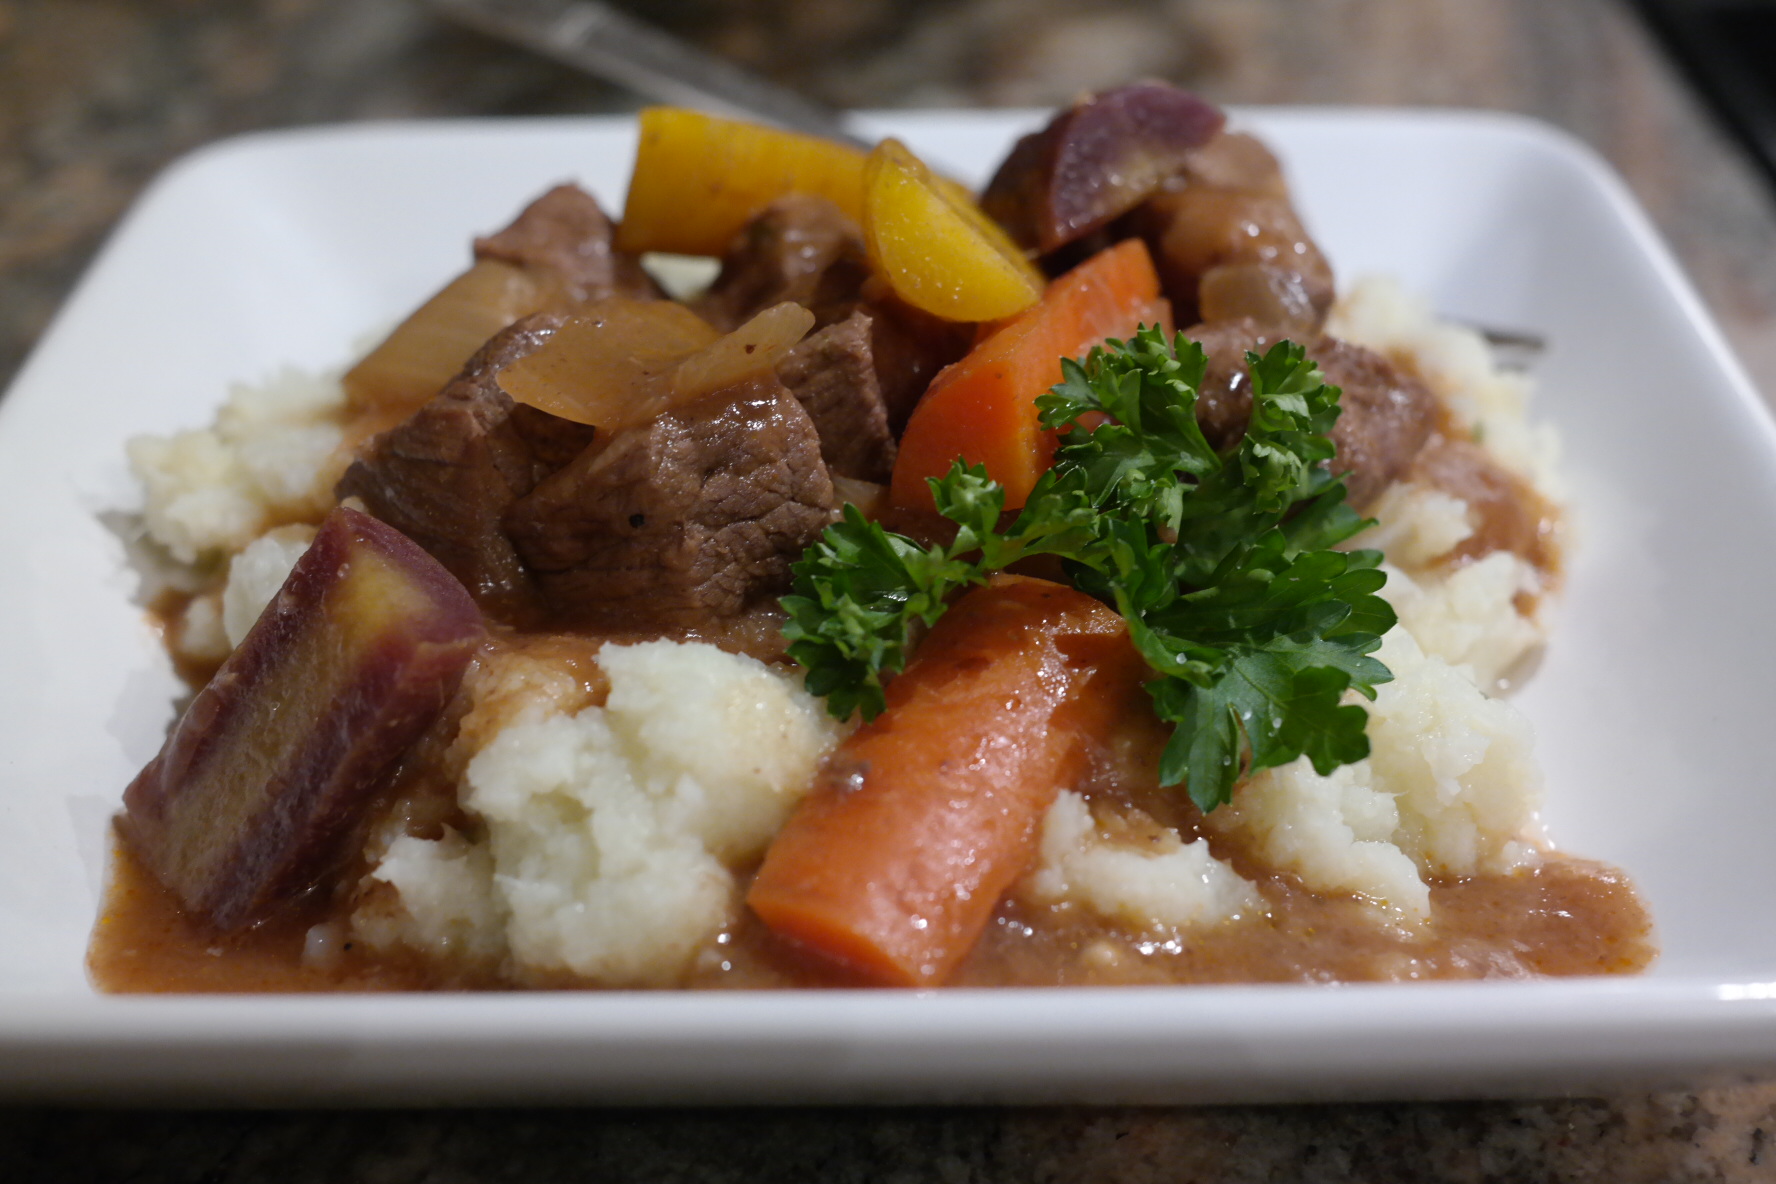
(607, 835)
(611, 831)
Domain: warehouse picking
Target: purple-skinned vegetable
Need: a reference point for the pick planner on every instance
(277, 759)
(1095, 161)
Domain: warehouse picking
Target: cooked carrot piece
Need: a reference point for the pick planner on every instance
(700, 178)
(933, 245)
(983, 408)
(251, 801)
(923, 818)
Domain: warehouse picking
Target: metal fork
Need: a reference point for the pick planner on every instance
(611, 44)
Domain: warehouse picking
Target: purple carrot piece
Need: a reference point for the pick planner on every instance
(1096, 160)
(276, 760)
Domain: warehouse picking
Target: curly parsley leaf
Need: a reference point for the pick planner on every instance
(1144, 393)
(863, 594)
(1222, 564)
(1284, 639)
(859, 594)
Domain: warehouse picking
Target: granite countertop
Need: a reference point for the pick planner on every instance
(97, 95)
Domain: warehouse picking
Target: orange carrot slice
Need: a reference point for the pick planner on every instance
(922, 819)
(983, 408)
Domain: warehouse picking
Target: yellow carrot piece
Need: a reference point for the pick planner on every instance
(699, 178)
(933, 245)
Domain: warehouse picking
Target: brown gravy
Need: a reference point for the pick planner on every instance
(1568, 917)
(1510, 515)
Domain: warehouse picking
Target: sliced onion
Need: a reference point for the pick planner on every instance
(426, 350)
(869, 498)
(1272, 296)
(753, 348)
(611, 367)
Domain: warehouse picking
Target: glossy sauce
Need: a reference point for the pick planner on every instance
(1568, 917)
(1509, 514)
(1564, 917)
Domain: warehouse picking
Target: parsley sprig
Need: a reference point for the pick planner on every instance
(1222, 563)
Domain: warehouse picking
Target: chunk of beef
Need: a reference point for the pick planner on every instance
(1386, 418)
(799, 248)
(909, 347)
(832, 373)
(565, 239)
(684, 520)
(445, 476)
(804, 249)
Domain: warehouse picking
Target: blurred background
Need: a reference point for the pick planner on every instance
(97, 96)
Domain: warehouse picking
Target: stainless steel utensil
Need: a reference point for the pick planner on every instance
(611, 44)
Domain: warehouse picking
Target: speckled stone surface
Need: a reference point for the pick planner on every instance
(1722, 1135)
(98, 95)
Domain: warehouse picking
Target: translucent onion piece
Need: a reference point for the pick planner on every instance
(428, 348)
(935, 248)
(1272, 296)
(611, 367)
(869, 498)
(753, 348)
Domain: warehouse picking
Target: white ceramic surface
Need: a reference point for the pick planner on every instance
(1653, 708)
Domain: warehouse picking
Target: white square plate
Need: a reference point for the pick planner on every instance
(1654, 707)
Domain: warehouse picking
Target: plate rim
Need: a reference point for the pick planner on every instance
(1735, 1020)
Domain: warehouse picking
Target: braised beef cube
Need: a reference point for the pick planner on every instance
(909, 347)
(799, 248)
(252, 800)
(681, 521)
(832, 373)
(805, 250)
(445, 476)
(563, 237)
(550, 441)
(1386, 413)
